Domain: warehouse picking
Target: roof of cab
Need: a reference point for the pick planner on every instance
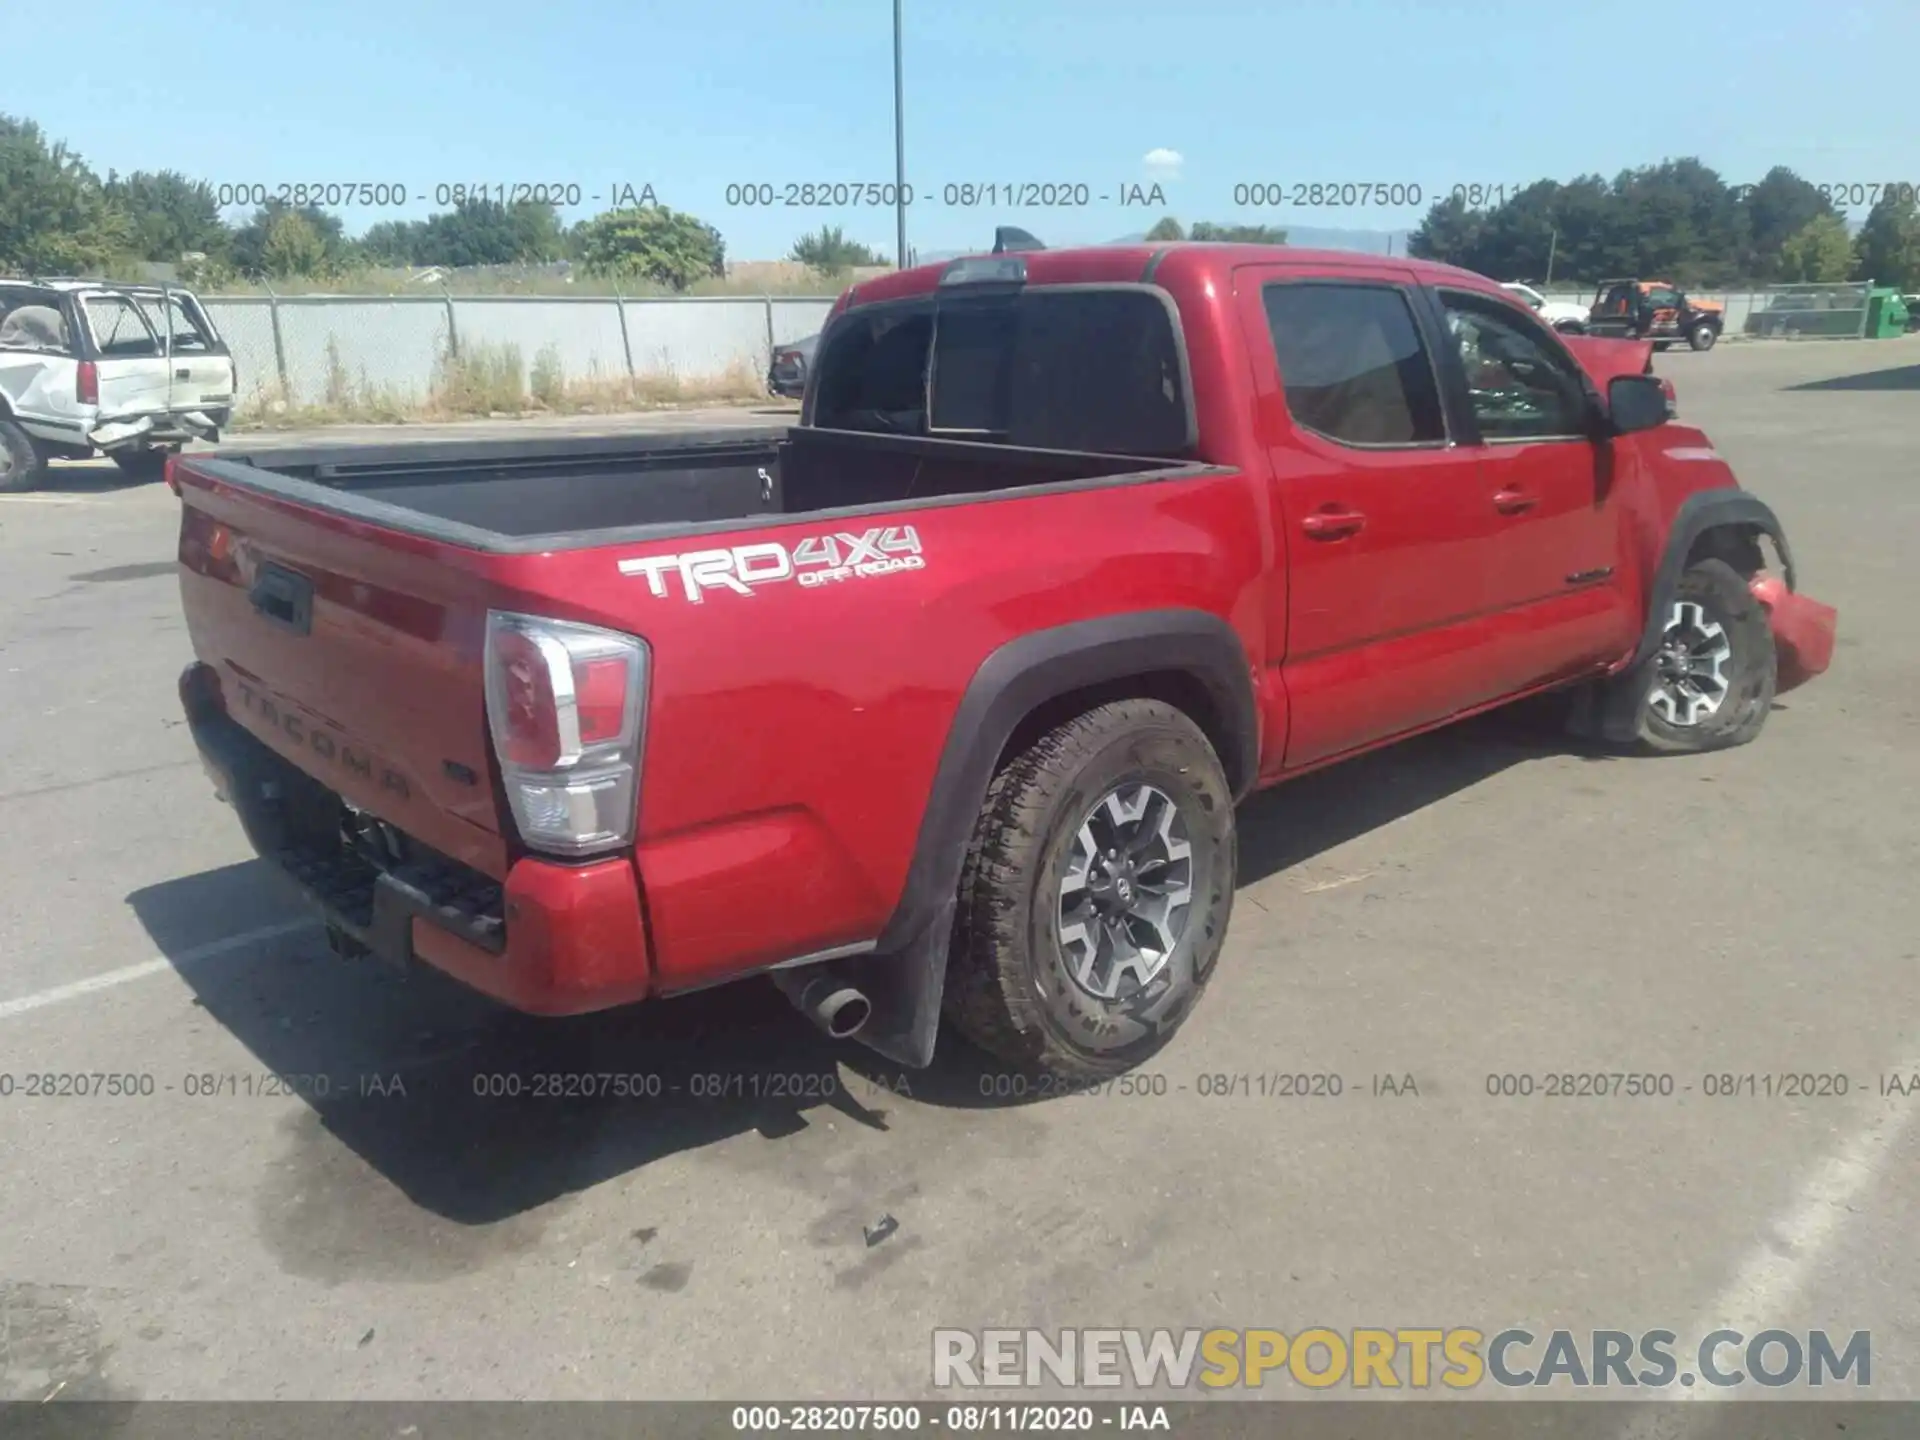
(1135, 264)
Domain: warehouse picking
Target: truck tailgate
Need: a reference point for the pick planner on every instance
(354, 652)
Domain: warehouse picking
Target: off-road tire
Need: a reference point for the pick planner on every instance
(22, 466)
(1702, 337)
(1009, 988)
(1750, 670)
(141, 464)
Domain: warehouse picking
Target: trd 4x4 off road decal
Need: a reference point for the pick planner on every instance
(816, 560)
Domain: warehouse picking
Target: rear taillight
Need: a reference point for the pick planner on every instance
(566, 706)
(166, 471)
(86, 383)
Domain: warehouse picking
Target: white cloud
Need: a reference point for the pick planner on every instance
(1163, 164)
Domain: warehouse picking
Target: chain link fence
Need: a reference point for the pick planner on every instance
(1837, 310)
(408, 353)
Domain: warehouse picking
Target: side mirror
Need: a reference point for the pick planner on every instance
(1636, 402)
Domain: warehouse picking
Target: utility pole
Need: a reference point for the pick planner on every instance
(899, 146)
(1553, 247)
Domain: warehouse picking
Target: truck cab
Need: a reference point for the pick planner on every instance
(1655, 310)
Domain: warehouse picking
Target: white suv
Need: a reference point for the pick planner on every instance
(1566, 316)
(88, 366)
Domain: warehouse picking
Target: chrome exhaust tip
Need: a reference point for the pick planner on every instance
(839, 1009)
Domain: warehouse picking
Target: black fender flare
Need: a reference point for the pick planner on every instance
(1043, 666)
(906, 971)
(1610, 710)
(1699, 513)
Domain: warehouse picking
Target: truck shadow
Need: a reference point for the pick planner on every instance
(1899, 377)
(479, 1115)
(88, 477)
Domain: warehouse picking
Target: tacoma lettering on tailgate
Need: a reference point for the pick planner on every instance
(816, 560)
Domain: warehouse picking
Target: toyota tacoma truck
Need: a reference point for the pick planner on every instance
(940, 703)
(89, 367)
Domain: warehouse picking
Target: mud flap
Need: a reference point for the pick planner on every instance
(905, 989)
(1608, 711)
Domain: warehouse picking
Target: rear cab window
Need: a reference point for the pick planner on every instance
(1091, 368)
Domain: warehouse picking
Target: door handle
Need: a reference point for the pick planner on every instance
(1513, 502)
(182, 373)
(1333, 524)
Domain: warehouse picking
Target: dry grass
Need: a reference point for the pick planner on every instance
(493, 382)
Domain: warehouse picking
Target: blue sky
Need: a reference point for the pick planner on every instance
(689, 97)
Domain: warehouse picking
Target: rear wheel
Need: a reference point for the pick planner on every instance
(1714, 673)
(141, 464)
(1702, 337)
(1096, 893)
(22, 466)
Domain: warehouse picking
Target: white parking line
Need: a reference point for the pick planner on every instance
(59, 993)
(1766, 1287)
(53, 499)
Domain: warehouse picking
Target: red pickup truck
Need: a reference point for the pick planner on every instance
(941, 701)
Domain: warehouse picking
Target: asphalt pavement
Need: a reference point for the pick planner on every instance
(312, 1201)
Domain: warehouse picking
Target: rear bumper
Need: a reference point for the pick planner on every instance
(552, 939)
(1803, 631)
(165, 427)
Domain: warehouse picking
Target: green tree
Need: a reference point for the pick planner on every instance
(55, 217)
(1887, 250)
(1779, 206)
(392, 242)
(1818, 251)
(1166, 228)
(830, 252)
(480, 231)
(652, 242)
(293, 248)
(250, 240)
(1237, 234)
(1687, 224)
(169, 215)
(1449, 232)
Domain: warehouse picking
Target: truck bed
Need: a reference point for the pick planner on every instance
(566, 492)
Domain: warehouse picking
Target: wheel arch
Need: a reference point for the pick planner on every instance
(1189, 658)
(1727, 524)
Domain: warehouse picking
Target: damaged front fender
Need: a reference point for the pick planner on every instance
(1803, 631)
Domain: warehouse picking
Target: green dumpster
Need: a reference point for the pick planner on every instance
(1886, 314)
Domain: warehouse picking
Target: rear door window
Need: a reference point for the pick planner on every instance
(1353, 365)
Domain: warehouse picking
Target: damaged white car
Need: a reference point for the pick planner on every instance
(90, 367)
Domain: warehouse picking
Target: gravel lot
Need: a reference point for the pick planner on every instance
(1483, 901)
